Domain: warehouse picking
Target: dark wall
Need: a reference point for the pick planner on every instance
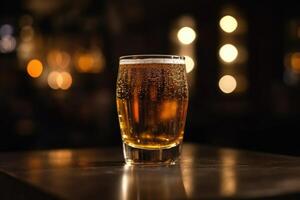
(263, 117)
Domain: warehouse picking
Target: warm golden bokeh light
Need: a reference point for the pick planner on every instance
(228, 24)
(66, 80)
(85, 62)
(51, 58)
(60, 80)
(58, 59)
(189, 64)
(27, 33)
(295, 62)
(228, 53)
(34, 68)
(25, 50)
(227, 84)
(52, 80)
(186, 35)
(63, 59)
(89, 62)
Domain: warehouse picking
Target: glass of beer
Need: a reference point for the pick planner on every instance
(152, 101)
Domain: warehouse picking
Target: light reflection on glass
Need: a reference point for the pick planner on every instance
(136, 106)
(169, 110)
(228, 183)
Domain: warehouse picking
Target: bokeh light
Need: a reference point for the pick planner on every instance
(295, 62)
(186, 35)
(25, 50)
(58, 59)
(89, 62)
(189, 64)
(6, 30)
(228, 53)
(228, 24)
(34, 68)
(52, 80)
(27, 33)
(64, 81)
(85, 62)
(63, 60)
(52, 58)
(227, 84)
(60, 80)
(7, 44)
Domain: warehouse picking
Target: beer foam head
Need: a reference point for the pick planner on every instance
(148, 59)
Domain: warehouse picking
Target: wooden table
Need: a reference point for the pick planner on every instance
(204, 173)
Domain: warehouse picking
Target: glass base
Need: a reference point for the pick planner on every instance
(135, 156)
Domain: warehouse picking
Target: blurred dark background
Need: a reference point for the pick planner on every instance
(59, 62)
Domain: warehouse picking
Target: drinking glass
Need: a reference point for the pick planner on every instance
(152, 101)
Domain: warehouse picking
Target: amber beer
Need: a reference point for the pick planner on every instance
(152, 101)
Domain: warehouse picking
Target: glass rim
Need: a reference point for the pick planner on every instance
(149, 56)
